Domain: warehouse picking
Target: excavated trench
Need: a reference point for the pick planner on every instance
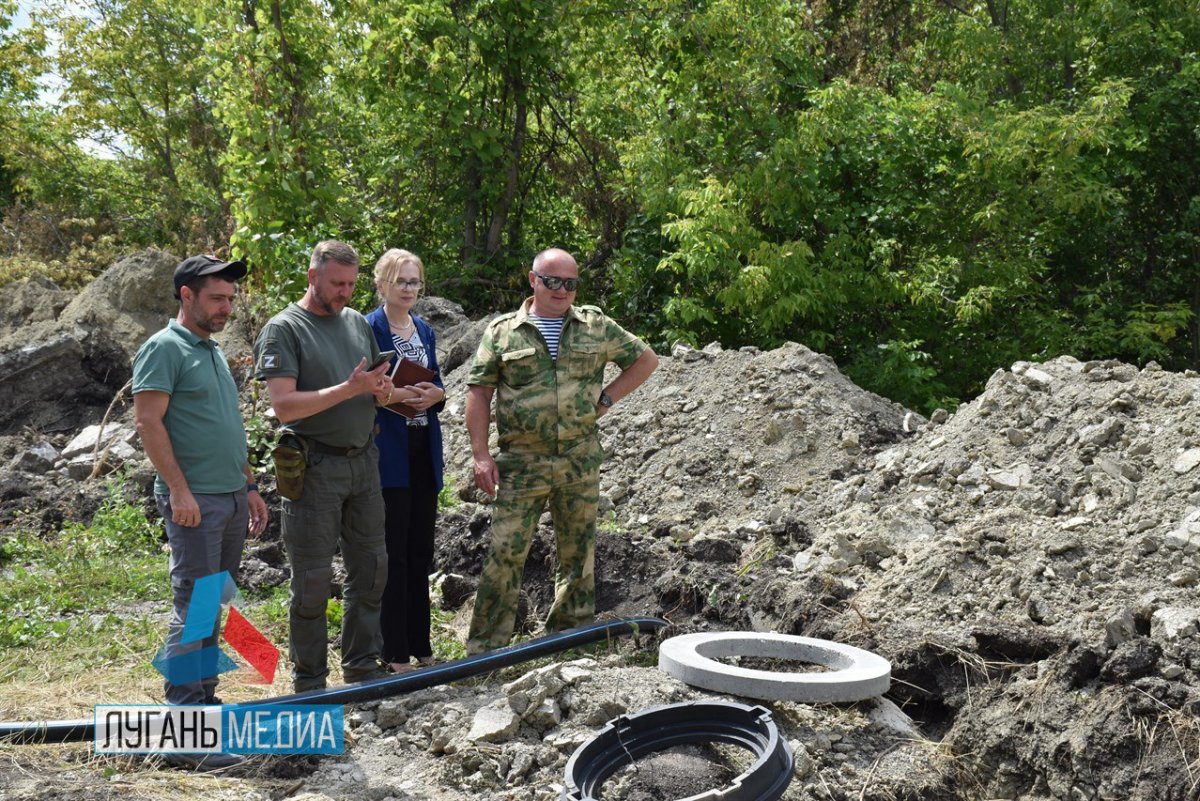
(1028, 564)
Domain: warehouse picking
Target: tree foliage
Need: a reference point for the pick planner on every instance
(926, 190)
(470, 107)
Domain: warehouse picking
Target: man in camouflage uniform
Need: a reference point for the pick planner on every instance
(545, 365)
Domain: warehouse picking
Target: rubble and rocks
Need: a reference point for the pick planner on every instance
(36, 299)
(110, 446)
(56, 371)
(1030, 564)
(124, 305)
(457, 336)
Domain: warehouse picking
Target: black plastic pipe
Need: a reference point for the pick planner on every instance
(69, 731)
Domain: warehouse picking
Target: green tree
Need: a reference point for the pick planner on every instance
(474, 136)
(137, 84)
(17, 91)
(924, 190)
(924, 221)
(1127, 283)
(289, 159)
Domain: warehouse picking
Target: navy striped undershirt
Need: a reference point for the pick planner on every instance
(551, 328)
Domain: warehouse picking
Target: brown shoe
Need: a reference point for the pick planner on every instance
(355, 675)
(401, 667)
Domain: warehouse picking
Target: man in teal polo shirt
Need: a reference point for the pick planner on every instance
(186, 405)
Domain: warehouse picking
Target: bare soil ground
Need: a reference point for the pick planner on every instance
(1028, 565)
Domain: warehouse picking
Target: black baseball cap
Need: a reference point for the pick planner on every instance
(196, 266)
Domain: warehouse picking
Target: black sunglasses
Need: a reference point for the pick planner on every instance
(554, 282)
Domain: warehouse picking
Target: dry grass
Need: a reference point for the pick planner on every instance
(49, 690)
(74, 772)
(49, 684)
(54, 684)
(1179, 730)
(944, 771)
(760, 553)
(976, 670)
(97, 622)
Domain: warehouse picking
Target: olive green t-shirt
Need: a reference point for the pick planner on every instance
(320, 352)
(202, 419)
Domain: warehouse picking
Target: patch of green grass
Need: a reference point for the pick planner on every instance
(104, 640)
(609, 524)
(51, 583)
(85, 610)
(448, 499)
(271, 609)
(443, 637)
(98, 658)
(334, 610)
(262, 432)
(272, 613)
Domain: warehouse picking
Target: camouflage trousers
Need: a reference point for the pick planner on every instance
(570, 484)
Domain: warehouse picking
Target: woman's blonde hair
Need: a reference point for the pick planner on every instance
(388, 267)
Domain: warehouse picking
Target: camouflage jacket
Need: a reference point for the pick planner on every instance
(546, 406)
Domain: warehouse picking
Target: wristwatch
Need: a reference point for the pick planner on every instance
(605, 400)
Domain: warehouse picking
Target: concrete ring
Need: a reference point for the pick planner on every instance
(856, 674)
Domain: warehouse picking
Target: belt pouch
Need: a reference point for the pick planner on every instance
(290, 463)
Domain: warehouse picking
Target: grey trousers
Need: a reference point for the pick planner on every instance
(341, 505)
(213, 546)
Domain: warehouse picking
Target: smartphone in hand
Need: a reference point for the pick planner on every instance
(383, 358)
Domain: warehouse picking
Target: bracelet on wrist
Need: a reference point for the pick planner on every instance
(251, 487)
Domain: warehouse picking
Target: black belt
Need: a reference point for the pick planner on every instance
(332, 450)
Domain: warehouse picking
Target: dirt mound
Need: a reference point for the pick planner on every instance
(54, 373)
(126, 303)
(717, 453)
(1061, 497)
(36, 299)
(1031, 564)
(1028, 564)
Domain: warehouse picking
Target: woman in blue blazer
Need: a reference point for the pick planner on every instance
(410, 462)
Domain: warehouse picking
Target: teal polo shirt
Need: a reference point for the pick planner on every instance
(203, 418)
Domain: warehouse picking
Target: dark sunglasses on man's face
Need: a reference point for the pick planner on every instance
(554, 282)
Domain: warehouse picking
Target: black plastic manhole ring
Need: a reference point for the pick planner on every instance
(627, 738)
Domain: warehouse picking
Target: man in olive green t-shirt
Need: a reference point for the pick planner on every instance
(313, 356)
(186, 406)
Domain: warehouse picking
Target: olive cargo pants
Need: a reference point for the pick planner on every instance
(342, 505)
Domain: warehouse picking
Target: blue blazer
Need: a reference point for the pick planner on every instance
(391, 429)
